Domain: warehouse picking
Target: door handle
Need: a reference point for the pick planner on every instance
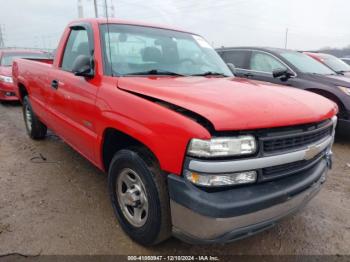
(55, 84)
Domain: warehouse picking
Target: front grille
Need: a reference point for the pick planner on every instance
(297, 138)
(274, 172)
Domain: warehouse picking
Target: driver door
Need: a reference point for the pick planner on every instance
(73, 97)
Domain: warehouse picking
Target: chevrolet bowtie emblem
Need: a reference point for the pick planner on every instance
(311, 152)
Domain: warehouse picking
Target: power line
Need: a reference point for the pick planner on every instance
(107, 9)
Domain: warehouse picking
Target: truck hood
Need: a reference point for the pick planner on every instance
(6, 70)
(234, 103)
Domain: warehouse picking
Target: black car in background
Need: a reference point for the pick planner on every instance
(295, 69)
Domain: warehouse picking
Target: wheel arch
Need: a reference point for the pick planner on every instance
(22, 91)
(114, 140)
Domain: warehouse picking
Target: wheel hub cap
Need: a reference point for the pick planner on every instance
(132, 197)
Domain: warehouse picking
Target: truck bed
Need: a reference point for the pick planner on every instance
(33, 66)
(41, 60)
(31, 71)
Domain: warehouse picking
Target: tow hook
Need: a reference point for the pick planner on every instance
(329, 159)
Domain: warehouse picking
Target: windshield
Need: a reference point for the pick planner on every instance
(335, 64)
(306, 64)
(139, 50)
(8, 58)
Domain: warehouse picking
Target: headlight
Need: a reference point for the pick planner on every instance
(213, 180)
(221, 147)
(346, 90)
(6, 79)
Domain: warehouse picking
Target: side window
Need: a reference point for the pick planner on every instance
(263, 62)
(237, 58)
(77, 44)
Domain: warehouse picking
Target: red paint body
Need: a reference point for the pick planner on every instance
(106, 102)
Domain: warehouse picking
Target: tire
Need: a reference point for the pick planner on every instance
(154, 225)
(35, 128)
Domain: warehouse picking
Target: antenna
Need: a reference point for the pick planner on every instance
(109, 38)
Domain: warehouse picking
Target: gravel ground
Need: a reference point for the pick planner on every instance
(62, 206)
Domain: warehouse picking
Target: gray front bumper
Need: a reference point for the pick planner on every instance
(207, 215)
(219, 217)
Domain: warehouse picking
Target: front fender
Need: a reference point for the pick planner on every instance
(164, 132)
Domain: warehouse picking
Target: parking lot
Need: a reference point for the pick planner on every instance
(53, 201)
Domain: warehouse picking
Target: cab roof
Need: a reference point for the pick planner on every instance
(124, 22)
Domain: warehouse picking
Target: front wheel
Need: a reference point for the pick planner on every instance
(139, 197)
(35, 128)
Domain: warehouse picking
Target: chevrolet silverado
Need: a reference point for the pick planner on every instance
(190, 150)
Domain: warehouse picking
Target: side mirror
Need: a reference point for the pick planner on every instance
(232, 68)
(283, 74)
(83, 66)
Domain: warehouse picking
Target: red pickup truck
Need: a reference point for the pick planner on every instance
(190, 150)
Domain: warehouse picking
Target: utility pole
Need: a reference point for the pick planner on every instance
(80, 9)
(286, 39)
(2, 41)
(96, 9)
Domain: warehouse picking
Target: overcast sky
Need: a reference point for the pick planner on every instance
(312, 24)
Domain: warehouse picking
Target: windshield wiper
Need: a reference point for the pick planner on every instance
(210, 73)
(341, 72)
(156, 72)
